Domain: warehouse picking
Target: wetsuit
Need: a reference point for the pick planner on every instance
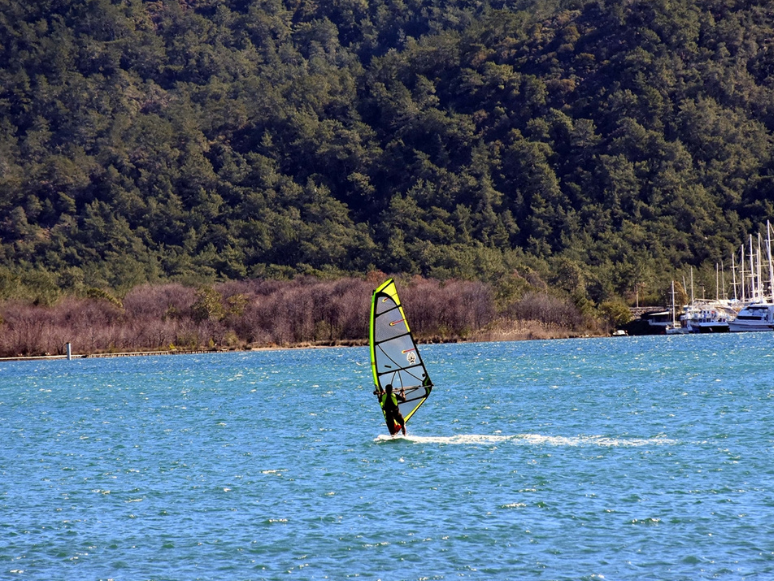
(392, 413)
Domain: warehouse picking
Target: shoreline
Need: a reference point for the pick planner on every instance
(486, 337)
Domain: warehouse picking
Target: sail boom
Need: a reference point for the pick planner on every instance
(390, 370)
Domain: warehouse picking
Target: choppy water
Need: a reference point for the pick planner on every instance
(625, 458)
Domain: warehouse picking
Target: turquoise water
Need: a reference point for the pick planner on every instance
(625, 458)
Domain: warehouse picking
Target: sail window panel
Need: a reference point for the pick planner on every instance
(415, 397)
(389, 325)
(407, 408)
(384, 304)
(399, 352)
(406, 378)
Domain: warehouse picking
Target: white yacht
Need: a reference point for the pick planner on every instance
(754, 317)
(708, 316)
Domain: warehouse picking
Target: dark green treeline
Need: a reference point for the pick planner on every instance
(600, 144)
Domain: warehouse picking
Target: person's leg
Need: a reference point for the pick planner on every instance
(391, 421)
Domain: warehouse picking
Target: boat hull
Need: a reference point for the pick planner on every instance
(748, 327)
(677, 331)
(713, 328)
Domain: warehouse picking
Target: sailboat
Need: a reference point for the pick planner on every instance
(707, 315)
(674, 328)
(395, 359)
(758, 312)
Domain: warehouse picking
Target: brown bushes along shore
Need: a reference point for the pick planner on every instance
(262, 313)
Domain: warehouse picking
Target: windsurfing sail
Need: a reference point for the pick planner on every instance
(395, 359)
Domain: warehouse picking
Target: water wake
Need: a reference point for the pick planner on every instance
(530, 439)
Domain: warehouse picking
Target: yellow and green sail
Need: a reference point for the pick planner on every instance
(395, 358)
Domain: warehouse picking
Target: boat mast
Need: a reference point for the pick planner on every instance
(741, 272)
(733, 273)
(723, 281)
(717, 282)
(760, 271)
(771, 270)
(692, 300)
(674, 324)
(753, 288)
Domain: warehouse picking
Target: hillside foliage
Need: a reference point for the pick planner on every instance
(596, 145)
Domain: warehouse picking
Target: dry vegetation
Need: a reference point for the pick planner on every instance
(263, 313)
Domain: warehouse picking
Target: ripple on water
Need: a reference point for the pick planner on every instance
(526, 439)
(618, 459)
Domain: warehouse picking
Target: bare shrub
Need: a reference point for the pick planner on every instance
(89, 324)
(454, 308)
(261, 312)
(153, 333)
(94, 324)
(351, 299)
(24, 329)
(158, 301)
(547, 309)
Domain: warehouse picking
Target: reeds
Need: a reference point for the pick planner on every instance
(262, 313)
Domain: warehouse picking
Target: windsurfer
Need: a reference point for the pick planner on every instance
(389, 402)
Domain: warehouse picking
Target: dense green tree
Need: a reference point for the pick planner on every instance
(602, 145)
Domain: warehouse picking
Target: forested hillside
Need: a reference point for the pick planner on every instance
(596, 145)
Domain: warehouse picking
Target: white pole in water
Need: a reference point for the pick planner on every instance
(69, 352)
